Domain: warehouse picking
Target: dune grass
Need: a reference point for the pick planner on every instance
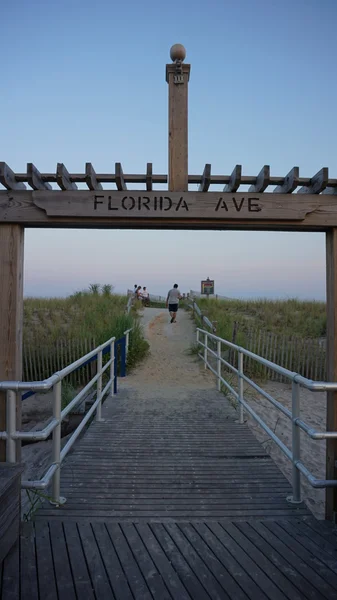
(306, 319)
(96, 314)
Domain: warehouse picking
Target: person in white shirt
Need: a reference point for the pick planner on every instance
(145, 297)
(172, 302)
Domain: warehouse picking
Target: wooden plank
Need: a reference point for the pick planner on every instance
(45, 568)
(99, 578)
(63, 575)
(307, 542)
(262, 561)
(281, 560)
(28, 563)
(262, 180)
(130, 567)
(149, 177)
(331, 361)
(317, 184)
(179, 563)
(311, 578)
(35, 180)
(321, 576)
(119, 177)
(235, 180)
(206, 179)
(118, 580)
(205, 576)
(8, 178)
(63, 178)
(82, 581)
(251, 578)
(10, 584)
(149, 569)
(178, 128)
(91, 178)
(290, 182)
(220, 562)
(11, 319)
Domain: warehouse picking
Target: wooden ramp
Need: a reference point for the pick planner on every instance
(156, 459)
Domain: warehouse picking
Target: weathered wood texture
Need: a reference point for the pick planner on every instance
(11, 316)
(10, 485)
(283, 560)
(188, 210)
(154, 461)
(331, 299)
(178, 128)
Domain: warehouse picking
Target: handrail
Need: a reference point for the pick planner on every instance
(54, 426)
(297, 380)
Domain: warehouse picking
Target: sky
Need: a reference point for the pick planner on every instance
(85, 82)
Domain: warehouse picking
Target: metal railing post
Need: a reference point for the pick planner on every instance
(123, 357)
(127, 343)
(10, 426)
(198, 337)
(99, 385)
(112, 367)
(240, 386)
(218, 346)
(56, 447)
(296, 445)
(205, 350)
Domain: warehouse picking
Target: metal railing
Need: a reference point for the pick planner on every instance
(11, 435)
(294, 455)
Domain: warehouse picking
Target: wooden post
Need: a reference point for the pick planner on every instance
(177, 77)
(11, 318)
(331, 359)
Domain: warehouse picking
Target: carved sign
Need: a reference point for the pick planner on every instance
(176, 205)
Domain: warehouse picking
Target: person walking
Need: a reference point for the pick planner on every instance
(172, 302)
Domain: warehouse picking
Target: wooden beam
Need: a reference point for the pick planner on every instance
(331, 418)
(290, 182)
(91, 178)
(317, 184)
(119, 175)
(206, 179)
(162, 210)
(262, 180)
(178, 126)
(8, 179)
(63, 178)
(149, 177)
(235, 180)
(11, 317)
(35, 180)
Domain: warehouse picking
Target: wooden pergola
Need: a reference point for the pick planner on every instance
(274, 203)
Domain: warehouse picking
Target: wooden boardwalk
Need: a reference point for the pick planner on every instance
(172, 501)
(274, 560)
(155, 460)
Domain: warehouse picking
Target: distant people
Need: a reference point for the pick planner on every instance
(145, 297)
(139, 292)
(135, 289)
(172, 302)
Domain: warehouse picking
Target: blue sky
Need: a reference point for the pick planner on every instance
(85, 81)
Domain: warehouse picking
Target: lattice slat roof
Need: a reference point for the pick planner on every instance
(287, 184)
